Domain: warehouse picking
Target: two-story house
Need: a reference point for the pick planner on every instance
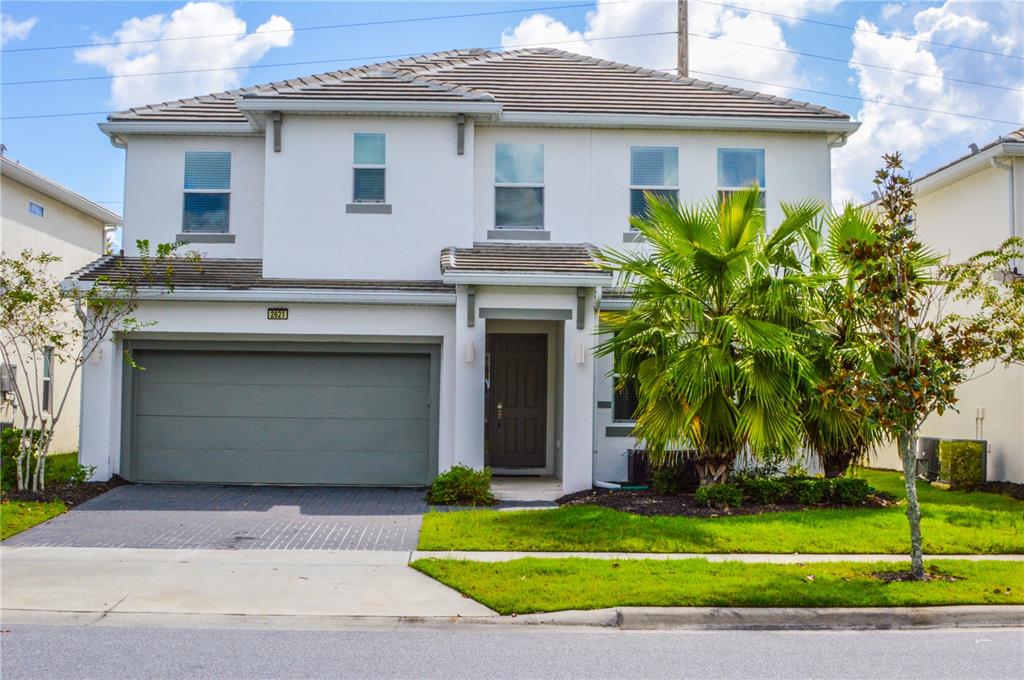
(38, 214)
(398, 272)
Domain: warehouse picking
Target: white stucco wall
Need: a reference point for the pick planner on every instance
(586, 174)
(961, 219)
(154, 192)
(308, 232)
(74, 237)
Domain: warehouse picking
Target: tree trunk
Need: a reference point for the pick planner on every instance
(835, 463)
(906, 446)
(712, 471)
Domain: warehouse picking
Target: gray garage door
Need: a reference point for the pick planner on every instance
(269, 417)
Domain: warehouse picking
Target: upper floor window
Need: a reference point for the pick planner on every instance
(654, 170)
(368, 163)
(207, 191)
(519, 186)
(740, 169)
(35, 209)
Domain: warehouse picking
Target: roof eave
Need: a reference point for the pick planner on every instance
(968, 165)
(58, 192)
(615, 120)
(357, 106)
(528, 279)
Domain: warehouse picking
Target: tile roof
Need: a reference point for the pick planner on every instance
(1015, 137)
(505, 258)
(537, 80)
(241, 274)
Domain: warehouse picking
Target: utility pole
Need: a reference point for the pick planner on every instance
(683, 41)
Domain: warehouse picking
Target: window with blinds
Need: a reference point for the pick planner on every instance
(519, 186)
(624, 400)
(740, 169)
(369, 172)
(652, 170)
(47, 395)
(207, 192)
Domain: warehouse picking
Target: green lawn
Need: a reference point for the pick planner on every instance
(16, 516)
(542, 585)
(953, 522)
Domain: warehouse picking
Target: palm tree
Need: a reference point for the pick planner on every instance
(837, 343)
(708, 338)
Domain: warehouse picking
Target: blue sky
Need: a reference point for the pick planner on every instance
(756, 41)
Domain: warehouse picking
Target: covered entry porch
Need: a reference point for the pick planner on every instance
(524, 373)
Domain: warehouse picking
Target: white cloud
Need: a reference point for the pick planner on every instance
(715, 55)
(11, 29)
(125, 57)
(917, 133)
(891, 10)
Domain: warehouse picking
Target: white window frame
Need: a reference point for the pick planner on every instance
(370, 166)
(231, 183)
(731, 190)
(652, 187)
(522, 185)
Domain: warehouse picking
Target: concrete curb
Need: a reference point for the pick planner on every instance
(622, 618)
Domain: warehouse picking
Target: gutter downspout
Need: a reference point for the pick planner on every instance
(996, 163)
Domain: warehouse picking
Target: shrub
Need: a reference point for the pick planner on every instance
(674, 479)
(850, 490)
(962, 463)
(763, 491)
(462, 485)
(808, 491)
(720, 496)
(10, 439)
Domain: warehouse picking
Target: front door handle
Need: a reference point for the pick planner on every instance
(500, 408)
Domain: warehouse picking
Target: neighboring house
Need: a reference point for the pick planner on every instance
(973, 204)
(320, 341)
(42, 216)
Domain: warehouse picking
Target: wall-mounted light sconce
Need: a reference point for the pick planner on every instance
(470, 352)
(581, 353)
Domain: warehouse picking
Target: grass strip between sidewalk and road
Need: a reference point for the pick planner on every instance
(953, 522)
(533, 585)
(16, 516)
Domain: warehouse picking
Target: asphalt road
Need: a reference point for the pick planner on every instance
(54, 652)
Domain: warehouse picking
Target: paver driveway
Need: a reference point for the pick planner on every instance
(238, 517)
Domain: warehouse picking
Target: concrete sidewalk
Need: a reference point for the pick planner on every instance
(224, 582)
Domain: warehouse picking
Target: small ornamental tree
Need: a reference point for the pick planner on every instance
(922, 354)
(67, 325)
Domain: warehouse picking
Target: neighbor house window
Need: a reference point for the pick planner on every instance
(47, 377)
(740, 169)
(654, 170)
(35, 209)
(207, 191)
(519, 186)
(368, 171)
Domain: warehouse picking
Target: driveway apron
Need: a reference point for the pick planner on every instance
(177, 516)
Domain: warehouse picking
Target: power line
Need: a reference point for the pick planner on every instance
(853, 62)
(860, 99)
(847, 27)
(559, 42)
(359, 24)
(365, 59)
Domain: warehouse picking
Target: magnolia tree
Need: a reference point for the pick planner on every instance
(923, 351)
(42, 321)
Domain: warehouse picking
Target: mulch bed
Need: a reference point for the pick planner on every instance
(1012, 489)
(70, 494)
(930, 574)
(641, 502)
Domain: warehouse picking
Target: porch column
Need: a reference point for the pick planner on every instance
(578, 401)
(99, 434)
(470, 353)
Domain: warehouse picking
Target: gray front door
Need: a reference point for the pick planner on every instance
(270, 417)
